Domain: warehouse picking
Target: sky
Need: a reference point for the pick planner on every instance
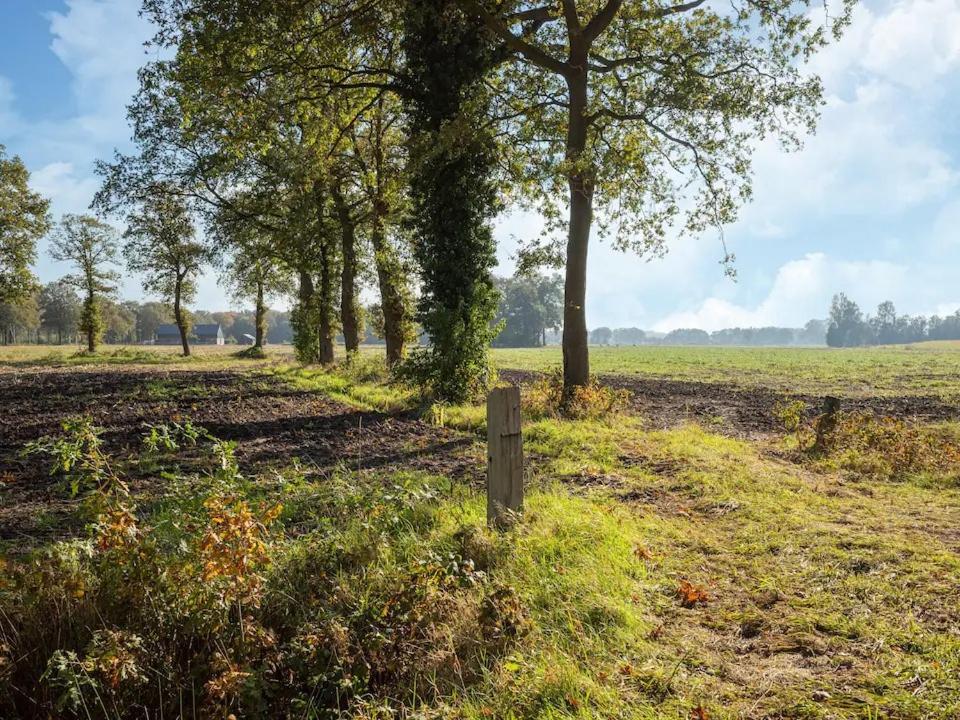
(870, 206)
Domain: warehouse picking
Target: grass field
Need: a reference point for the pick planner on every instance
(926, 368)
(931, 369)
(322, 552)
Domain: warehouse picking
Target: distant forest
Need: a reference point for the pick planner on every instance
(848, 327)
(529, 315)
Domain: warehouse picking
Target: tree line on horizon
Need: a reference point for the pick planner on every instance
(322, 146)
(849, 327)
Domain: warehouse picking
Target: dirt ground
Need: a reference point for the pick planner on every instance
(271, 422)
(744, 412)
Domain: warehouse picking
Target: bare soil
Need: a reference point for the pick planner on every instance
(744, 412)
(271, 422)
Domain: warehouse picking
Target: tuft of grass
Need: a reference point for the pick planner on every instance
(349, 386)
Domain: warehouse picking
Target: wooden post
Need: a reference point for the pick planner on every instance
(827, 422)
(504, 456)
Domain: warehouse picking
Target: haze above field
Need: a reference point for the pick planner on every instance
(869, 207)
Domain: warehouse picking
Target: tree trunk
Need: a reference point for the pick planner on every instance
(576, 358)
(178, 317)
(91, 334)
(260, 317)
(391, 293)
(308, 352)
(326, 321)
(326, 279)
(389, 270)
(348, 272)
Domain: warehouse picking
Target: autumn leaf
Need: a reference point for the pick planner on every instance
(642, 553)
(692, 595)
(699, 713)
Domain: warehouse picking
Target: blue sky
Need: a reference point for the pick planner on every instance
(870, 206)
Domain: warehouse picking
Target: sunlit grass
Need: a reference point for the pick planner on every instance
(922, 369)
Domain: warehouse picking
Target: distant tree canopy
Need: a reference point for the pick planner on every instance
(528, 308)
(601, 336)
(91, 246)
(60, 310)
(24, 219)
(848, 327)
(813, 333)
(19, 319)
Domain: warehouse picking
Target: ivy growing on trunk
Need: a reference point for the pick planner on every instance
(452, 195)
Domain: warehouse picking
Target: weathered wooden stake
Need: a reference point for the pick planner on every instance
(504, 456)
(827, 422)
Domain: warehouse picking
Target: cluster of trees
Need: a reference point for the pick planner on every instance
(52, 316)
(813, 333)
(529, 309)
(849, 327)
(325, 142)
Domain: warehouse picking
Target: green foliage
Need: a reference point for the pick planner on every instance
(791, 415)
(593, 401)
(77, 456)
(529, 306)
(453, 196)
(91, 321)
(24, 220)
(305, 321)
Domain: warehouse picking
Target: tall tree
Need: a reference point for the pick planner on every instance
(161, 245)
(24, 219)
(379, 154)
(91, 245)
(625, 106)
(452, 193)
(253, 271)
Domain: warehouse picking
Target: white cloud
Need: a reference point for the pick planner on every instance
(802, 290)
(911, 43)
(101, 43)
(61, 180)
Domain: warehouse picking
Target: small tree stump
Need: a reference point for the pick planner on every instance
(827, 422)
(504, 456)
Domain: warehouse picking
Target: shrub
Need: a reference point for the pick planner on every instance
(594, 401)
(884, 448)
(224, 602)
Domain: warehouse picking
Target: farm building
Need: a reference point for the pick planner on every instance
(208, 334)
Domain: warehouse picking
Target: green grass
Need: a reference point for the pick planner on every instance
(829, 595)
(923, 369)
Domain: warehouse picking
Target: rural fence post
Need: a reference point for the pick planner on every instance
(504, 456)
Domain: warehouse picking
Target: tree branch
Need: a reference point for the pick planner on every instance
(534, 54)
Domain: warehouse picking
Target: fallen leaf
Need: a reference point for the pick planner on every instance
(692, 595)
(642, 553)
